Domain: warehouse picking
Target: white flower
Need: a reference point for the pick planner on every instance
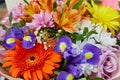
(103, 38)
(88, 69)
(84, 23)
(79, 45)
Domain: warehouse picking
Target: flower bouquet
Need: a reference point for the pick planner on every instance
(61, 40)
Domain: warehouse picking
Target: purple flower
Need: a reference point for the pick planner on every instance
(17, 11)
(76, 60)
(44, 19)
(69, 52)
(63, 43)
(90, 54)
(64, 76)
(108, 66)
(17, 33)
(29, 41)
(76, 71)
(9, 42)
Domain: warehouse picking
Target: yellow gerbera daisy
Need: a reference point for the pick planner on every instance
(104, 16)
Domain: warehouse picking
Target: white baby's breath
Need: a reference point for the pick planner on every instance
(88, 69)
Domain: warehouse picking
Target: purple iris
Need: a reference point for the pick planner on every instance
(76, 59)
(17, 33)
(69, 52)
(90, 54)
(75, 70)
(63, 43)
(9, 42)
(29, 41)
(63, 75)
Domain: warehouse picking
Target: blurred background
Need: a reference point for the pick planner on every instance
(3, 9)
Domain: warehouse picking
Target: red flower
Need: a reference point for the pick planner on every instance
(32, 64)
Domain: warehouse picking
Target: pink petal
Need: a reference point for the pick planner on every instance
(112, 3)
(2, 53)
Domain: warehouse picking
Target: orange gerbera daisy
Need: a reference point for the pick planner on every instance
(32, 64)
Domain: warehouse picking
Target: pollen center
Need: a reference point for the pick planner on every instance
(70, 77)
(10, 40)
(88, 55)
(63, 46)
(27, 38)
(32, 58)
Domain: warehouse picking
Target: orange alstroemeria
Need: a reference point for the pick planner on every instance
(32, 8)
(47, 5)
(83, 12)
(67, 19)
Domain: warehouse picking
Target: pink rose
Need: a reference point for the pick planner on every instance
(108, 65)
(112, 3)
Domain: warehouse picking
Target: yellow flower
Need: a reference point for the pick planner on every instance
(104, 16)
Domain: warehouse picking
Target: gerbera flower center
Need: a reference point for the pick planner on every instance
(32, 58)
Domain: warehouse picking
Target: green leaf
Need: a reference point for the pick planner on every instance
(55, 6)
(10, 18)
(97, 78)
(75, 37)
(76, 6)
(3, 26)
(16, 24)
(119, 3)
(68, 2)
(1, 42)
(97, 1)
(57, 72)
(0, 64)
(26, 2)
(90, 33)
(118, 41)
(85, 31)
(52, 79)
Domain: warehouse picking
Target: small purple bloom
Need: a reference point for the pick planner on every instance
(17, 33)
(64, 76)
(63, 43)
(17, 11)
(76, 71)
(9, 42)
(44, 19)
(29, 41)
(91, 54)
